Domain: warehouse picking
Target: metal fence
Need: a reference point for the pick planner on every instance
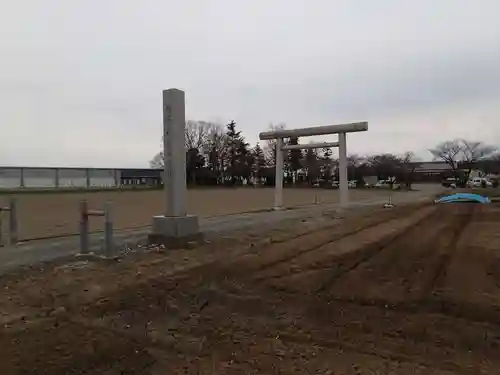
(32, 177)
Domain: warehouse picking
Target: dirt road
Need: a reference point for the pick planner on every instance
(45, 215)
(414, 290)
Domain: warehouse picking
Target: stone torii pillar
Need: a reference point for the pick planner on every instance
(343, 183)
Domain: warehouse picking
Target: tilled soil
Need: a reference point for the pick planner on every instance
(414, 290)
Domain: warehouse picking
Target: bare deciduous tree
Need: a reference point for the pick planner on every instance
(462, 153)
(217, 152)
(450, 153)
(354, 167)
(409, 164)
(197, 134)
(474, 151)
(270, 146)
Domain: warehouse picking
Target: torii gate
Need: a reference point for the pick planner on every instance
(341, 130)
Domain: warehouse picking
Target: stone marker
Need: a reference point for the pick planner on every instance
(176, 228)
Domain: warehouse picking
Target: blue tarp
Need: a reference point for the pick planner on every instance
(463, 197)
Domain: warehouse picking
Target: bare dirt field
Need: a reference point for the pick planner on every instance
(412, 290)
(45, 215)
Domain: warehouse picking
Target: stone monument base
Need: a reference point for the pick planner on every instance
(175, 232)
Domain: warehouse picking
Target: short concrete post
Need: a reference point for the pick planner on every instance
(116, 176)
(85, 215)
(84, 228)
(344, 188)
(13, 221)
(1, 227)
(21, 177)
(56, 178)
(389, 204)
(108, 230)
(278, 191)
(87, 178)
(11, 211)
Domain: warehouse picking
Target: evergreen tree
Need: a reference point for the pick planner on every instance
(259, 161)
(194, 162)
(312, 165)
(327, 163)
(238, 154)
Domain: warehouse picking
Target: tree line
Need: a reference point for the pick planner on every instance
(220, 155)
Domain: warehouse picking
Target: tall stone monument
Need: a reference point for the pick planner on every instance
(175, 228)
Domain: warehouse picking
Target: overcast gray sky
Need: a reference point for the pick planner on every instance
(81, 80)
